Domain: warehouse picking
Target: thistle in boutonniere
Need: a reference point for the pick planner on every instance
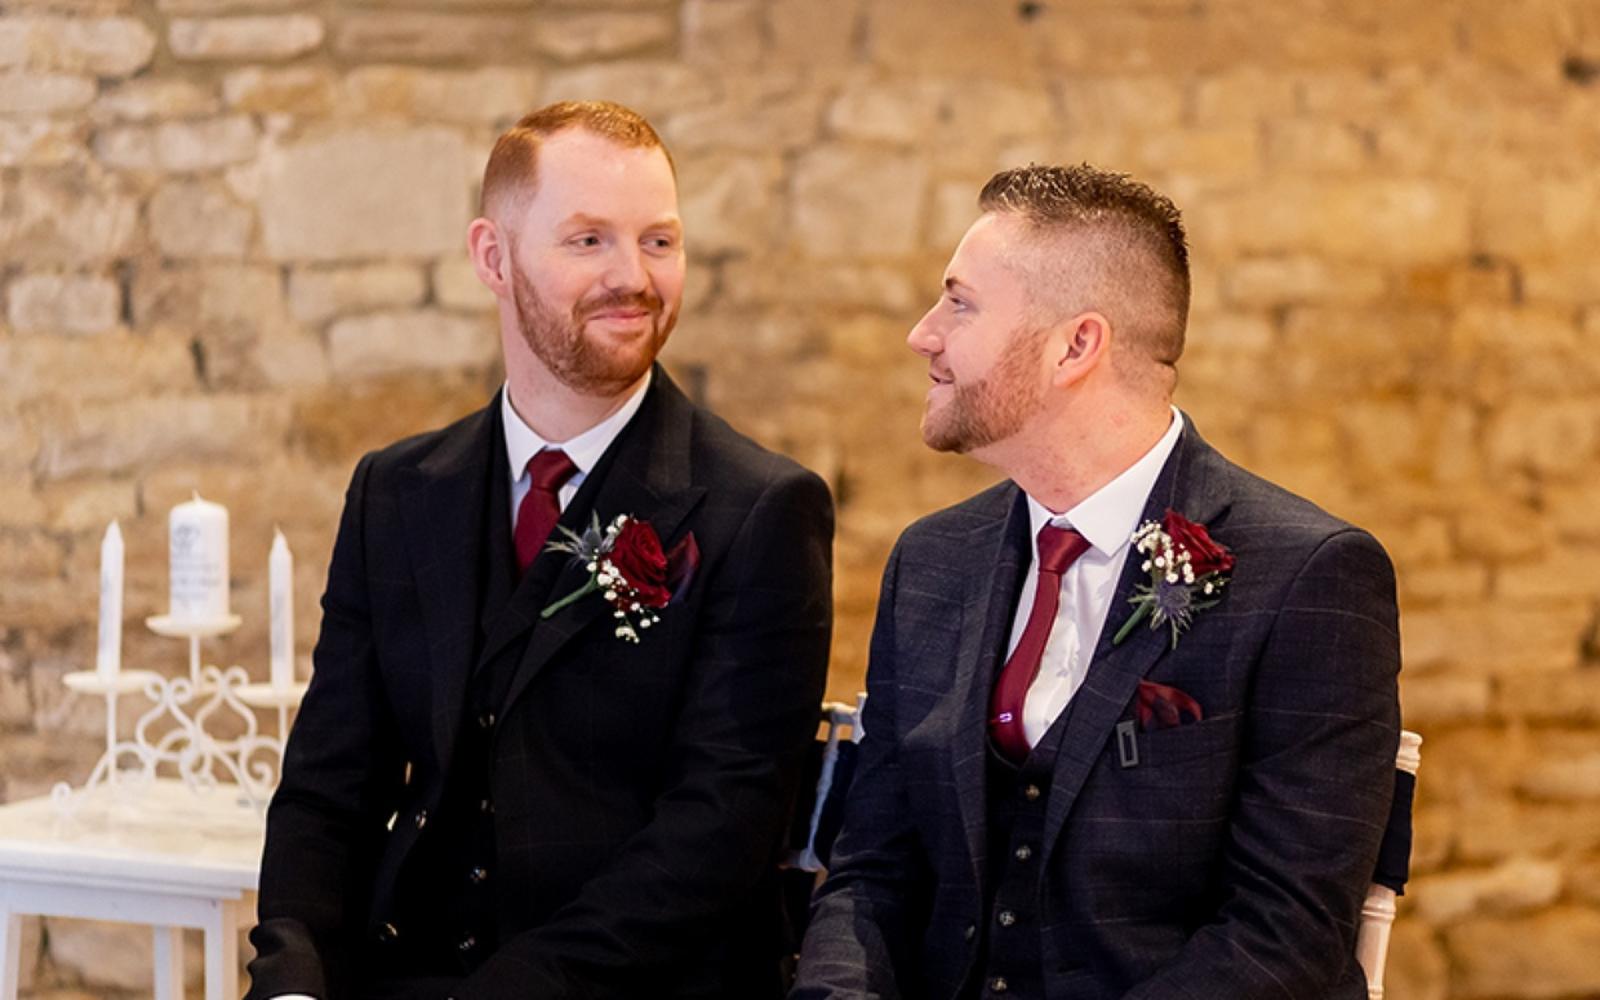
(625, 565)
(1187, 573)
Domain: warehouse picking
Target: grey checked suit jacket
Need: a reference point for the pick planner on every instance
(1229, 863)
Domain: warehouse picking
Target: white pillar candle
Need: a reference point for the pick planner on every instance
(198, 560)
(108, 654)
(280, 576)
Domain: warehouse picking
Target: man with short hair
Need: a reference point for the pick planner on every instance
(525, 772)
(1132, 714)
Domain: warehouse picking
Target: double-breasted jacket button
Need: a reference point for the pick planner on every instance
(1006, 918)
(998, 984)
(1031, 792)
(971, 932)
(388, 932)
(486, 806)
(486, 720)
(478, 875)
(1023, 853)
(421, 818)
(467, 943)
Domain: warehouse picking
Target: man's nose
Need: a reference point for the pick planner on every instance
(626, 271)
(925, 337)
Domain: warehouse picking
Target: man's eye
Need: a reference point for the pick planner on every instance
(661, 243)
(586, 240)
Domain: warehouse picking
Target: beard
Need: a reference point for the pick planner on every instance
(994, 407)
(583, 363)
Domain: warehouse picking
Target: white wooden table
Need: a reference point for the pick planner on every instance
(163, 856)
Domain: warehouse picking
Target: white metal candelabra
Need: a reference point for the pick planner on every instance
(174, 735)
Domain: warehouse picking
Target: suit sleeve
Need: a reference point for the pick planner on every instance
(755, 682)
(868, 916)
(342, 773)
(1316, 777)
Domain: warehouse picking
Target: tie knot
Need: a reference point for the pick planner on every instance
(1059, 548)
(549, 468)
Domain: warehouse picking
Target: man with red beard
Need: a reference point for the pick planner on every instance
(1132, 714)
(572, 645)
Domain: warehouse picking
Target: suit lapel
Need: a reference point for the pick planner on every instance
(443, 511)
(1115, 671)
(1001, 541)
(644, 474)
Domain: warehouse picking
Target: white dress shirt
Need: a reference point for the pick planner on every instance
(1107, 519)
(522, 443)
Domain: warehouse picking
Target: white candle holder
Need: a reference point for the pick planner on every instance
(174, 735)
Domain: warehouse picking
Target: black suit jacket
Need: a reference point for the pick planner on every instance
(640, 790)
(1231, 861)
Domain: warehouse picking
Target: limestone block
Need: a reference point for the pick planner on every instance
(1301, 145)
(456, 285)
(723, 32)
(68, 215)
(983, 39)
(762, 113)
(1550, 954)
(20, 507)
(147, 98)
(600, 34)
(298, 90)
(290, 358)
(347, 418)
(1236, 95)
(23, 93)
(88, 504)
(319, 294)
(1417, 968)
(1382, 220)
(1454, 583)
(199, 219)
(1280, 280)
(132, 433)
(75, 304)
(798, 283)
(1554, 437)
(495, 96)
(1565, 281)
(1436, 699)
(1515, 886)
(1575, 776)
(654, 88)
(1569, 698)
(265, 37)
(365, 192)
(39, 142)
(1518, 639)
(897, 111)
(100, 46)
(856, 203)
(730, 203)
(1533, 213)
(223, 6)
(382, 343)
(1491, 831)
(178, 146)
(1550, 578)
(819, 33)
(417, 35)
(1098, 103)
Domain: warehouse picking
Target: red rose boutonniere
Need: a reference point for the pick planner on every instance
(1187, 573)
(627, 566)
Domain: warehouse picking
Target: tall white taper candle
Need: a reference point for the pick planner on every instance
(199, 560)
(108, 654)
(280, 576)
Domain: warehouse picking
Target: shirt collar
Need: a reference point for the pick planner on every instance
(585, 449)
(1107, 517)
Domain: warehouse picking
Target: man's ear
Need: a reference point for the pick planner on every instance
(1080, 345)
(491, 256)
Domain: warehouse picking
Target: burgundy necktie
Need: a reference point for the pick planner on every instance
(1058, 549)
(541, 508)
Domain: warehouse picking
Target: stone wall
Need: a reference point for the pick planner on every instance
(231, 259)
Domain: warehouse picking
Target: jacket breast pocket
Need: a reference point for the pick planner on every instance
(1214, 737)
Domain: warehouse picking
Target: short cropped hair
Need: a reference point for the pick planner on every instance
(1128, 251)
(513, 168)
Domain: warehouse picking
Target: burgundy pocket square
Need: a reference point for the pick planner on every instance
(1161, 706)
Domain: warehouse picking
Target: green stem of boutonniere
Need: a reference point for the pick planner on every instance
(1134, 619)
(582, 591)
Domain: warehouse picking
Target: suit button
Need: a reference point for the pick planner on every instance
(486, 807)
(998, 985)
(971, 932)
(388, 932)
(486, 720)
(467, 943)
(1006, 918)
(1031, 792)
(422, 818)
(1022, 853)
(478, 875)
